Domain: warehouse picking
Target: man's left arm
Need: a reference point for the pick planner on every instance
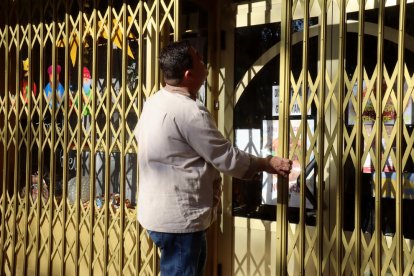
(202, 134)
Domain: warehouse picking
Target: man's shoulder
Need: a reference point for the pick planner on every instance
(172, 102)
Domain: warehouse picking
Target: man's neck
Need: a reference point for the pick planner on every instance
(180, 90)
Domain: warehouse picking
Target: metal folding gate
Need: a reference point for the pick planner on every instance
(82, 220)
(359, 93)
(68, 153)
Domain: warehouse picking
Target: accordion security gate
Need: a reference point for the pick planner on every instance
(83, 220)
(361, 96)
(69, 169)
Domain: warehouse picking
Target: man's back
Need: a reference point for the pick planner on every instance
(176, 191)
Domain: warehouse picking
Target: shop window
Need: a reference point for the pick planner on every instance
(256, 121)
(388, 154)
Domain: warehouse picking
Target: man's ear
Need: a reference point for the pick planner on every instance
(188, 74)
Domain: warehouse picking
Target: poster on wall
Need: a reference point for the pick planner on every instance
(275, 100)
(389, 113)
(270, 146)
(295, 110)
(368, 166)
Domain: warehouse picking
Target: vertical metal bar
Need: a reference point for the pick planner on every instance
(92, 174)
(52, 164)
(212, 59)
(321, 131)
(378, 142)
(177, 31)
(40, 97)
(282, 199)
(157, 45)
(139, 103)
(359, 137)
(28, 151)
(123, 135)
(16, 147)
(156, 88)
(41, 125)
(340, 117)
(65, 142)
(4, 205)
(304, 134)
(399, 153)
(108, 135)
(79, 139)
(52, 161)
(54, 111)
(212, 94)
(27, 185)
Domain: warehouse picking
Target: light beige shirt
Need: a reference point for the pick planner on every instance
(180, 154)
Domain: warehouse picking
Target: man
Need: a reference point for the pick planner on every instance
(180, 155)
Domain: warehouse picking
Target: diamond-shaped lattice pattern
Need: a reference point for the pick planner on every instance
(59, 145)
(59, 148)
(361, 139)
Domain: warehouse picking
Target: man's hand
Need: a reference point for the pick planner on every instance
(278, 165)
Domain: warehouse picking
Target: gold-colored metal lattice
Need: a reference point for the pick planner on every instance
(69, 168)
(361, 142)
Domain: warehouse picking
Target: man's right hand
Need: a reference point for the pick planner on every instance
(279, 165)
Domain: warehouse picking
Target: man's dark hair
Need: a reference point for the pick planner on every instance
(174, 60)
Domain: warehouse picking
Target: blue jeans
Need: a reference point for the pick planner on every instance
(182, 254)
